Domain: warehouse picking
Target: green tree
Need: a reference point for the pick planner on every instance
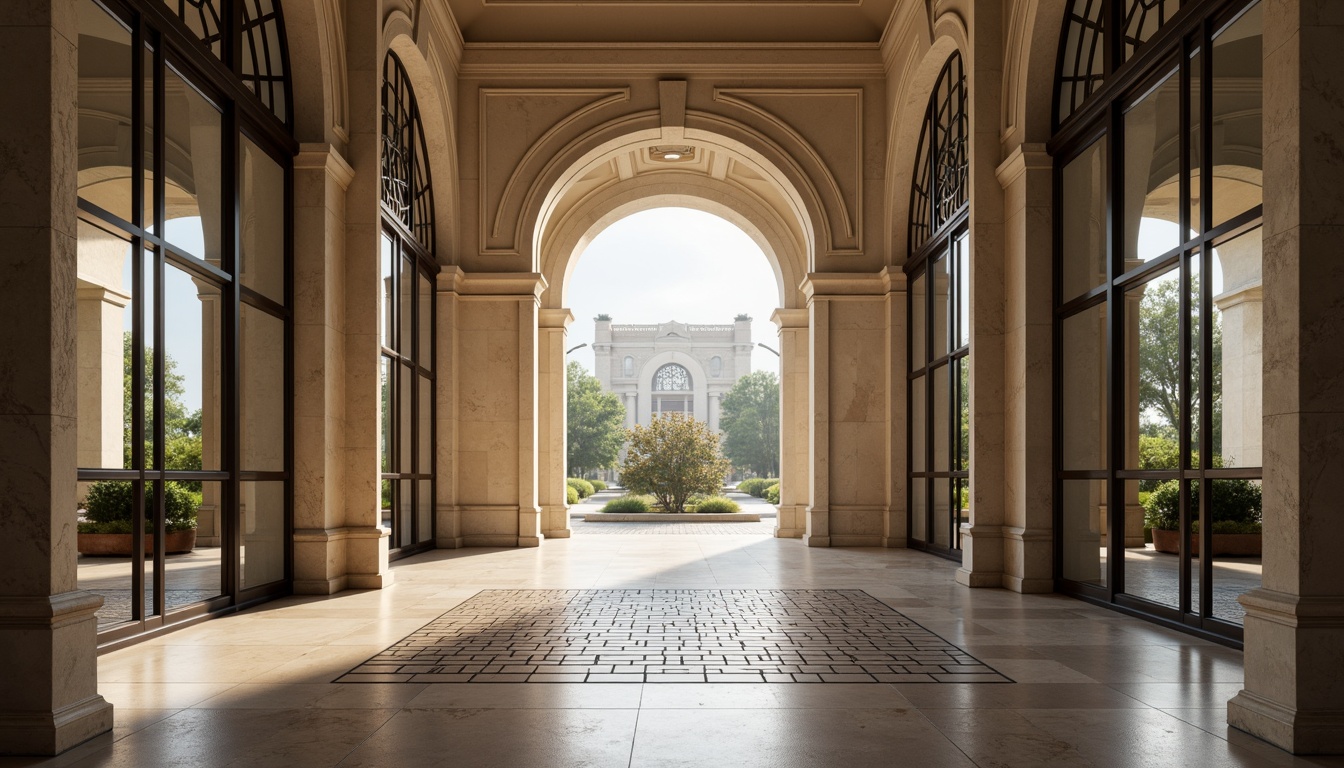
(672, 458)
(1160, 361)
(181, 428)
(596, 428)
(749, 418)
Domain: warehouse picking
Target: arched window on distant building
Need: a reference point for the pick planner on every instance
(672, 390)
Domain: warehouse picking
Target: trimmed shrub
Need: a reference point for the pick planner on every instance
(598, 485)
(754, 486)
(1236, 506)
(629, 504)
(718, 505)
(109, 503)
(571, 494)
(584, 487)
(772, 494)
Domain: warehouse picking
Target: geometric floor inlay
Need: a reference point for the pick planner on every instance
(673, 636)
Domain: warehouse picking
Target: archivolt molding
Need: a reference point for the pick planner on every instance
(1030, 50)
(809, 106)
(316, 38)
(614, 198)
(592, 99)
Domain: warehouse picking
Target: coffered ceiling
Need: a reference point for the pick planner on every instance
(672, 21)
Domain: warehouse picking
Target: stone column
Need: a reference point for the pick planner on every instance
(897, 518)
(321, 536)
(1028, 387)
(849, 409)
(982, 539)
(48, 631)
(1294, 694)
(794, 419)
(713, 411)
(448, 515)
(497, 456)
(552, 422)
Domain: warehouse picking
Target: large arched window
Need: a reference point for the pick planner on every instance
(1158, 300)
(184, 299)
(672, 391)
(407, 269)
(939, 327)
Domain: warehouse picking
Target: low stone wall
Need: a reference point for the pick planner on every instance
(689, 517)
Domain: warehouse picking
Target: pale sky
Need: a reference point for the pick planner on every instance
(673, 264)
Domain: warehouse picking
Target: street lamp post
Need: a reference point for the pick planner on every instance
(581, 346)
(769, 349)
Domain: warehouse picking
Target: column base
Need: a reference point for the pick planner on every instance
(558, 533)
(1302, 733)
(530, 541)
(51, 733)
(816, 541)
(448, 542)
(977, 580)
(1028, 586)
(895, 542)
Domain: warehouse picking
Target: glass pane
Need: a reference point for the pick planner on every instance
(919, 509)
(263, 547)
(1238, 352)
(386, 407)
(425, 460)
(918, 295)
(942, 514)
(405, 514)
(942, 419)
(962, 250)
(941, 306)
(152, 368)
(918, 414)
(152, 491)
(385, 504)
(1238, 141)
(407, 326)
(1152, 571)
(1196, 139)
(1084, 514)
(385, 302)
(405, 402)
(425, 507)
(1195, 350)
(149, 213)
(961, 500)
(426, 358)
(1083, 389)
(963, 414)
(194, 570)
(202, 17)
(105, 98)
(1083, 221)
(1152, 364)
(191, 369)
(1194, 513)
(261, 251)
(104, 565)
(103, 316)
(1152, 175)
(1143, 18)
(1236, 545)
(261, 379)
(193, 176)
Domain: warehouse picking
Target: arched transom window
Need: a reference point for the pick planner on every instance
(672, 378)
(940, 189)
(406, 190)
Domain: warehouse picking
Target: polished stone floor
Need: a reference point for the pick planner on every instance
(1092, 687)
(672, 636)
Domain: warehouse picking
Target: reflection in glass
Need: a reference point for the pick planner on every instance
(962, 250)
(942, 418)
(1083, 504)
(385, 406)
(918, 413)
(1195, 131)
(1151, 572)
(385, 303)
(385, 504)
(1238, 352)
(426, 357)
(426, 427)
(1084, 221)
(1238, 140)
(1195, 350)
(104, 312)
(918, 293)
(919, 509)
(105, 98)
(1152, 366)
(153, 366)
(963, 414)
(194, 569)
(261, 378)
(425, 510)
(406, 344)
(405, 402)
(191, 370)
(263, 534)
(405, 513)
(1152, 155)
(1237, 520)
(940, 299)
(261, 246)
(1083, 389)
(193, 183)
(942, 514)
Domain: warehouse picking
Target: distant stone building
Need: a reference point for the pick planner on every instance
(672, 367)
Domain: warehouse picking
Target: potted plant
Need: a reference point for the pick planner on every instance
(1236, 517)
(108, 525)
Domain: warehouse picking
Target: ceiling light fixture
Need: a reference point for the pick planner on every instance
(672, 154)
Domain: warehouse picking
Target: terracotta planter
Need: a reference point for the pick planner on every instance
(119, 544)
(1246, 544)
